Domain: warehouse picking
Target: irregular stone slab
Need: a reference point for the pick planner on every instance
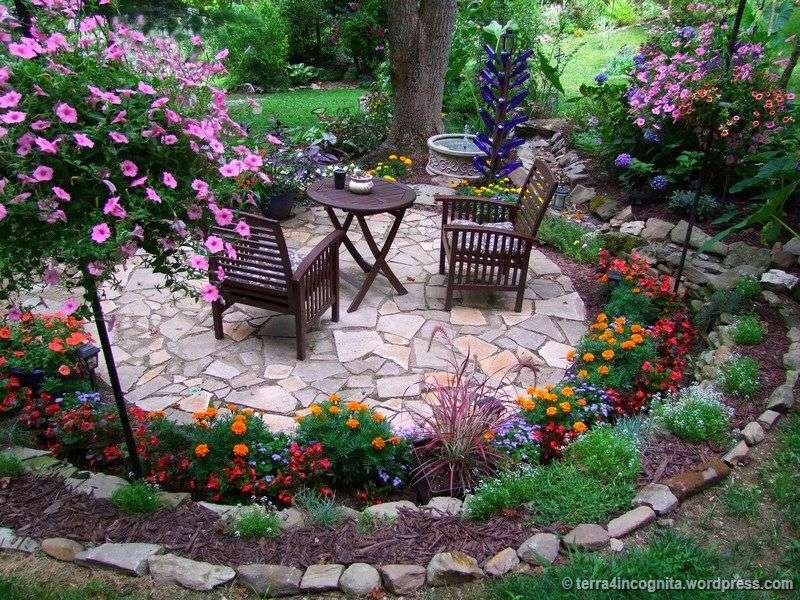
(272, 580)
(14, 543)
(779, 281)
(99, 485)
(402, 580)
(736, 454)
(174, 498)
(360, 579)
(321, 578)
(398, 386)
(656, 230)
(569, 306)
(397, 354)
(781, 399)
(268, 398)
(404, 325)
(463, 315)
(191, 574)
(632, 227)
(590, 536)
(277, 371)
(768, 417)
(128, 558)
(658, 497)
(222, 370)
(540, 549)
(631, 521)
(446, 505)
(555, 354)
(388, 510)
(474, 346)
(449, 568)
(501, 563)
(753, 433)
(697, 239)
(499, 365)
(351, 345)
(61, 548)
(696, 480)
(581, 194)
(196, 402)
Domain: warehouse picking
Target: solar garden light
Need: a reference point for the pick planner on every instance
(89, 356)
(560, 196)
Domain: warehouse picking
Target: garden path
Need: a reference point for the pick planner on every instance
(169, 360)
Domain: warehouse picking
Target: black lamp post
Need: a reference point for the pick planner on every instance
(89, 357)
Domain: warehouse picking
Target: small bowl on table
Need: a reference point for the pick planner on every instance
(360, 183)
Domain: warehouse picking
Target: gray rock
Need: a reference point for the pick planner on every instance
(781, 258)
(632, 227)
(623, 216)
(61, 548)
(768, 418)
(697, 239)
(128, 558)
(656, 230)
(447, 568)
(359, 579)
(658, 497)
(753, 433)
(23, 453)
(174, 498)
(590, 536)
(501, 563)
(781, 399)
(14, 543)
(291, 517)
(98, 485)
(446, 505)
(274, 580)
(779, 281)
(616, 545)
(631, 521)
(388, 510)
(321, 578)
(403, 579)
(736, 454)
(792, 246)
(742, 253)
(539, 549)
(191, 574)
(581, 194)
(607, 209)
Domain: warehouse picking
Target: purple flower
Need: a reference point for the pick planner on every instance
(651, 137)
(623, 161)
(600, 78)
(659, 182)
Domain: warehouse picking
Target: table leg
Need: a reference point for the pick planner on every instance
(380, 265)
(360, 261)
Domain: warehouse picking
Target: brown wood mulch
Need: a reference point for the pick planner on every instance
(44, 507)
(666, 455)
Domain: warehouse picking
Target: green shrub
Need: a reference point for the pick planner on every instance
(136, 498)
(748, 331)
(256, 521)
(740, 377)
(624, 12)
(697, 414)
(634, 306)
(366, 523)
(681, 202)
(747, 287)
(605, 453)
(254, 33)
(322, 511)
(575, 241)
(10, 466)
(734, 302)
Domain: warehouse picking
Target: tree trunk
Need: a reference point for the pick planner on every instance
(787, 72)
(420, 33)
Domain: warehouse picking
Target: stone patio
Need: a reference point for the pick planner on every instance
(169, 360)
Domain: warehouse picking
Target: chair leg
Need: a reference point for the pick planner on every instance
(441, 256)
(523, 279)
(448, 300)
(300, 336)
(520, 298)
(216, 315)
(335, 305)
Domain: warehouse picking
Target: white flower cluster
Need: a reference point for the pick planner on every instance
(696, 413)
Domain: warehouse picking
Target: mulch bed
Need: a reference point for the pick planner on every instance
(44, 507)
(667, 455)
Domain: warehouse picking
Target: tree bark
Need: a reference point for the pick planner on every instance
(787, 72)
(420, 34)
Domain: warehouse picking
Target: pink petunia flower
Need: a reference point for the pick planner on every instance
(201, 187)
(222, 54)
(224, 217)
(139, 182)
(40, 125)
(198, 262)
(42, 173)
(118, 137)
(46, 146)
(95, 270)
(196, 40)
(83, 140)
(276, 141)
(169, 139)
(10, 99)
(100, 233)
(209, 292)
(169, 180)
(231, 169)
(13, 116)
(214, 244)
(152, 195)
(242, 228)
(69, 307)
(194, 212)
(146, 88)
(119, 117)
(112, 207)
(128, 168)
(61, 193)
(3, 212)
(66, 113)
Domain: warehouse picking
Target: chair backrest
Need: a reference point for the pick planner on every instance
(261, 259)
(534, 198)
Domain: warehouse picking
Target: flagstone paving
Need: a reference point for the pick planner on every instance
(169, 360)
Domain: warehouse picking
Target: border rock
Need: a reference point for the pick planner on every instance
(403, 579)
(128, 558)
(658, 497)
(275, 580)
(539, 549)
(447, 568)
(631, 521)
(321, 578)
(191, 574)
(359, 579)
(590, 536)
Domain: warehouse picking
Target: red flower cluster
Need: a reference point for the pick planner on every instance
(552, 439)
(305, 463)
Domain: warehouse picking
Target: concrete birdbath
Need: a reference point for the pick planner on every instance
(451, 155)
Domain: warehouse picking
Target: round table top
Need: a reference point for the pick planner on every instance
(386, 196)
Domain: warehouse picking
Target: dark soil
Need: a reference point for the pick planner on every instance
(667, 455)
(44, 507)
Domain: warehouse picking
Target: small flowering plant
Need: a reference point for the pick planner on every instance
(112, 142)
(363, 450)
(502, 189)
(393, 167)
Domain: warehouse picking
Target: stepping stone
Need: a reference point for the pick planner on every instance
(399, 355)
(401, 324)
(191, 574)
(403, 580)
(587, 535)
(14, 543)
(569, 306)
(277, 371)
(351, 345)
(658, 497)
(321, 578)
(196, 402)
(359, 580)
(128, 558)
(268, 398)
(450, 568)
(555, 354)
(462, 315)
(272, 580)
(474, 346)
(399, 386)
(498, 366)
(61, 548)
(631, 521)
(768, 418)
(501, 563)
(222, 370)
(539, 549)
(736, 454)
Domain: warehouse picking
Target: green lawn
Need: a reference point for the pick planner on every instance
(594, 52)
(296, 108)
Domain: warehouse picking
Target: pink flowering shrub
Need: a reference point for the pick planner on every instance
(112, 143)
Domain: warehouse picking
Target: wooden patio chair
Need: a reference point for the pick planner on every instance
(267, 274)
(486, 244)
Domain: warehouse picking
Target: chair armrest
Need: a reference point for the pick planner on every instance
(332, 239)
(478, 199)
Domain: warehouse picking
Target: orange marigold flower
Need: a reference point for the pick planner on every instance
(636, 338)
(315, 409)
(565, 407)
(488, 436)
(567, 391)
(571, 355)
(579, 427)
(201, 450)
(628, 345)
(636, 328)
(238, 427)
(241, 450)
(64, 370)
(352, 423)
(395, 440)
(334, 398)
(588, 357)
(581, 401)
(601, 317)
(334, 410)
(211, 412)
(354, 405)
(608, 354)
(551, 411)
(378, 443)
(603, 370)
(377, 417)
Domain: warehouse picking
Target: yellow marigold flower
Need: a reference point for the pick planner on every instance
(241, 450)
(238, 428)
(565, 407)
(583, 373)
(201, 450)
(588, 357)
(571, 355)
(581, 401)
(528, 404)
(334, 410)
(377, 417)
(601, 317)
(352, 423)
(567, 391)
(378, 443)
(315, 409)
(579, 427)
(551, 411)
(393, 157)
(603, 370)
(334, 398)
(608, 354)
